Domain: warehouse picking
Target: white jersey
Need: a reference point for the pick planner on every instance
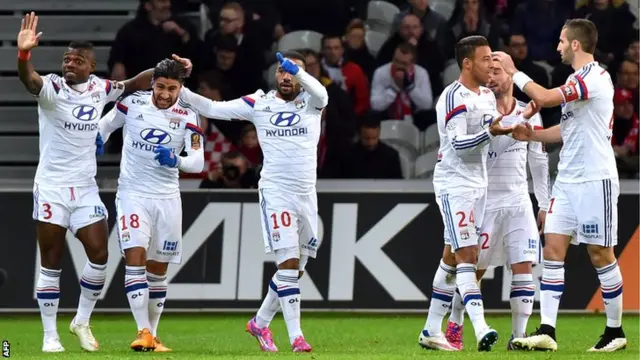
(464, 117)
(586, 127)
(288, 131)
(507, 166)
(68, 122)
(145, 128)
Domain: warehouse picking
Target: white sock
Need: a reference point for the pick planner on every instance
(551, 288)
(289, 296)
(471, 296)
(457, 309)
(157, 297)
(442, 292)
(611, 285)
(137, 290)
(270, 305)
(522, 295)
(48, 294)
(91, 284)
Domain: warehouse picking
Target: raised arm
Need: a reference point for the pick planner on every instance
(28, 39)
(238, 109)
(142, 81)
(319, 96)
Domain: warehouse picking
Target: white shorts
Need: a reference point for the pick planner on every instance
(588, 212)
(152, 224)
(462, 216)
(509, 236)
(72, 208)
(289, 221)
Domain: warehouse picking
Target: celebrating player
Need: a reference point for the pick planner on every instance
(584, 199)
(157, 128)
(288, 125)
(467, 121)
(65, 192)
(509, 233)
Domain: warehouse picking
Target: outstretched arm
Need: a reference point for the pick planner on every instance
(238, 109)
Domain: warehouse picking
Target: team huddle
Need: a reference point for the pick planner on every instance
(486, 136)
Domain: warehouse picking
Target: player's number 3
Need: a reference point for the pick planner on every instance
(285, 220)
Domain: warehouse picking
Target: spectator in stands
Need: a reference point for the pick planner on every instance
(356, 48)
(249, 145)
(338, 119)
(152, 36)
(435, 26)
(516, 46)
(241, 81)
(614, 26)
(627, 78)
(235, 174)
(370, 158)
(625, 133)
(346, 74)
(428, 55)
(540, 21)
(473, 20)
(401, 88)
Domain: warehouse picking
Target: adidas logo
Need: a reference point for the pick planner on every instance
(139, 117)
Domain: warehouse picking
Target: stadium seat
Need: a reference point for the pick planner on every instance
(548, 68)
(400, 132)
(407, 158)
(18, 120)
(68, 5)
(425, 164)
(443, 7)
(380, 15)
(301, 40)
(374, 41)
(270, 75)
(65, 27)
(451, 73)
(19, 149)
(48, 59)
(12, 90)
(430, 139)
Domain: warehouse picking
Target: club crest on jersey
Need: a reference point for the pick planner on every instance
(155, 136)
(180, 111)
(85, 113)
(95, 97)
(284, 119)
(487, 119)
(300, 104)
(174, 123)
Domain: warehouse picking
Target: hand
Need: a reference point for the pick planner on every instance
(506, 61)
(398, 78)
(99, 145)
(542, 216)
(531, 109)
(496, 127)
(409, 82)
(172, 27)
(413, 41)
(27, 37)
(287, 65)
(523, 132)
(166, 156)
(185, 62)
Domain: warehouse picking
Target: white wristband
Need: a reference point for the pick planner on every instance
(521, 79)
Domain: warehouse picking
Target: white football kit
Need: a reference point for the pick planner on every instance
(288, 132)
(148, 203)
(65, 191)
(509, 231)
(584, 199)
(460, 176)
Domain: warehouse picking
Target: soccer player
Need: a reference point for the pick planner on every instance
(157, 127)
(288, 125)
(584, 198)
(509, 233)
(467, 121)
(65, 192)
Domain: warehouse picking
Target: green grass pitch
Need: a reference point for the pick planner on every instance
(333, 336)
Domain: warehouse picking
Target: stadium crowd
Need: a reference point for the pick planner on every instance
(402, 81)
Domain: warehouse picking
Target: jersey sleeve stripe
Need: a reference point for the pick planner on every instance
(249, 101)
(56, 87)
(107, 87)
(195, 128)
(123, 109)
(465, 144)
(584, 93)
(449, 100)
(457, 111)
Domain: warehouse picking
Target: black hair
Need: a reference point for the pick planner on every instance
(407, 48)
(294, 55)
(466, 48)
(233, 154)
(81, 45)
(508, 35)
(170, 69)
(329, 37)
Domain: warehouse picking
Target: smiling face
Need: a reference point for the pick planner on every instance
(77, 65)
